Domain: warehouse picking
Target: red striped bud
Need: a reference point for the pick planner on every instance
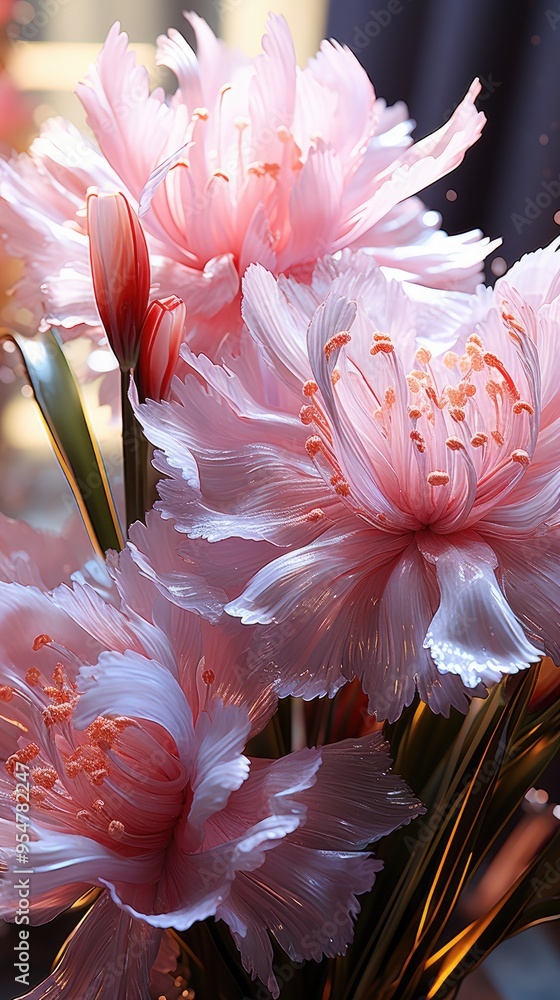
(120, 268)
(160, 342)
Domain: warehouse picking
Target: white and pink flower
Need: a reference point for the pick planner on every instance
(249, 161)
(131, 726)
(401, 456)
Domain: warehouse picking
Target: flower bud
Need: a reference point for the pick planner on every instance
(120, 268)
(160, 341)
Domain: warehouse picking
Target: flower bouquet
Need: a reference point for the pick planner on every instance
(265, 721)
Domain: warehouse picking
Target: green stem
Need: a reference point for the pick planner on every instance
(135, 459)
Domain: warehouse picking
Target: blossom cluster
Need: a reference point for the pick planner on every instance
(355, 441)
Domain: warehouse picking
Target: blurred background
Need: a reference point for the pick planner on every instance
(425, 52)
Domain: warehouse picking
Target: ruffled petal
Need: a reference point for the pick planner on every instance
(390, 659)
(356, 799)
(277, 329)
(206, 290)
(108, 956)
(63, 867)
(425, 162)
(134, 129)
(272, 92)
(112, 628)
(192, 886)
(193, 574)
(305, 892)
(175, 570)
(219, 767)
(250, 490)
(174, 52)
(317, 192)
(474, 632)
(305, 899)
(336, 75)
(530, 575)
(312, 600)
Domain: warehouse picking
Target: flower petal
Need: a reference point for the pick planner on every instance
(63, 867)
(135, 129)
(474, 632)
(530, 575)
(174, 569)
(305, 898)
(425, 162)
(108, 956)
(219, 768)
(131, 685)
(356, 799)
(310, 600)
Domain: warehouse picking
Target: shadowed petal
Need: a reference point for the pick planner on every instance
(96, 955)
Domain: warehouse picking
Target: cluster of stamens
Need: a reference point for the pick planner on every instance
(61, 692)
(89, 758)
(479, 370)
(454, 399)
(231, 166)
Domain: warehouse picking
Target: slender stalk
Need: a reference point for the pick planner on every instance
(135, 459)
(282, 737)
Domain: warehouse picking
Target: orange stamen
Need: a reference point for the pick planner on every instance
(335, 343)
(437, 478)
(310, 388)
(315, 515)
(41, 640)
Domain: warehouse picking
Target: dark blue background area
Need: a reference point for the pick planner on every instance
(426, 52)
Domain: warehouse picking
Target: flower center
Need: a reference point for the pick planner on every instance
(77, 754)
(430, 442)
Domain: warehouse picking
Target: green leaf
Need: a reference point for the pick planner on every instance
(484, 772)
(58, 397)
(515, 911)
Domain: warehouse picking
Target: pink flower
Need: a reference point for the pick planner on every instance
(130, 726)
(120, 268)
(45, 559)
(402, 458)
(160, 341)
(250, 160)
